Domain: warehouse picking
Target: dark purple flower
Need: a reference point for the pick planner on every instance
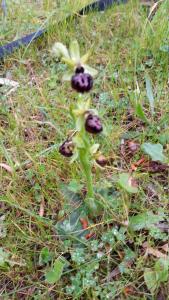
(66, 149)
(82, 82)
(93, 124)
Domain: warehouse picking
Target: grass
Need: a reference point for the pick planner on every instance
(34, 120)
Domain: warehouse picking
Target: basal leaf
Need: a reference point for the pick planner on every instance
(144, 220)
(56, 272)
(162, 268)
(151, 279)
(140, 113)
(74, 186)
(3, 257)
(51, 277)
(126, 182)
(155, 151)
(157, 275)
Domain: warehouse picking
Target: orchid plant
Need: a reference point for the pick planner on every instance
(86, 120)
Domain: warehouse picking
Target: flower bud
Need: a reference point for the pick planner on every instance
(93, 124)
(101, 160)
(66, 149)
(82, 82)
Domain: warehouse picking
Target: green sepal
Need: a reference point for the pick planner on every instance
(60, 50)
(74, 51)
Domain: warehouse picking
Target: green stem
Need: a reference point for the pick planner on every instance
(85, 163)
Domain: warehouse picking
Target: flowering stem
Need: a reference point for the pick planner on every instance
(84, 157)
(84, 160)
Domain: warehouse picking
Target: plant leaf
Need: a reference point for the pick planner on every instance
(125, 181)
(74, 51)
(162, 268)
(74, 186)
(155, 151)
(3, 257)
(150, 93)
(71, 227)
(144, 220)
(151, 279)
(55, 274)
(45, 256)
(140, 113)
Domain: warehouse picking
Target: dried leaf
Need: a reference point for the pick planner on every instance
(6, 167)
(165, 247)
(155, 252)
(129, 290)
(154, 167)
(42, 209)
(84, 223)
(133, 146)
(8, 82)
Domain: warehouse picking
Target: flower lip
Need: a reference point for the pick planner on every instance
(66, 149)
(82, 82)
(93, 124)
(79, 69)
